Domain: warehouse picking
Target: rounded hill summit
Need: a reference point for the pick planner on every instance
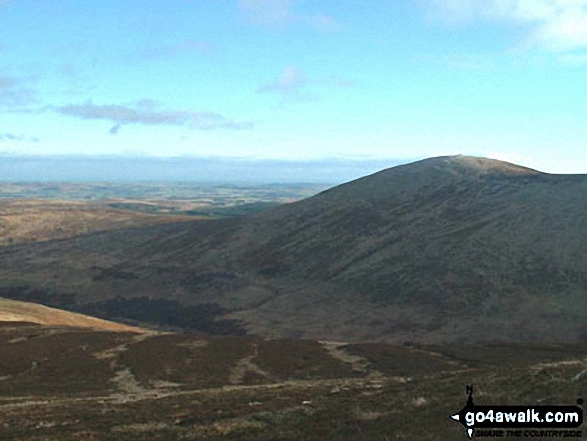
(453, 248)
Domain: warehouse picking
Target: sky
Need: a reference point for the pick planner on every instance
(296, 80)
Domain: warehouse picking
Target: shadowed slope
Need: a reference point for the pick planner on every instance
(445, 249)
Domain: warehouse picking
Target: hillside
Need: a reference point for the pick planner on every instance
(60, 384)
(444, 249)
(37, 220)
(25, 312)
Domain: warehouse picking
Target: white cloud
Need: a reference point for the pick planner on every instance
(555, 25)
(148, 112)
(293, 85)
(290, 80)
(565, 31)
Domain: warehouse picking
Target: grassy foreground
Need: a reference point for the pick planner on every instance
(60, 383)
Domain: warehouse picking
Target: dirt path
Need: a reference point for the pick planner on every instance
(113, 352)
(358, 363)
(239, 370)
(146, 394)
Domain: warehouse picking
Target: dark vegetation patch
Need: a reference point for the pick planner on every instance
(398, 360)
(186, 359)
(358, 409)
(213, 211)
(299, 359)
(504, 354)
(144, 208)
(251, 377)
(231, 211)
(42, 296)
(211, 278)
(18, 324)
(205, 317)
(63, 363)
(274, 270)
(113, 273)
(356, 412)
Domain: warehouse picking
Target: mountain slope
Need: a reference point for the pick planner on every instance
(36, 220)
(15, 311)
(445, 249)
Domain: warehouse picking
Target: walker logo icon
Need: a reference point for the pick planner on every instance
(512, 420)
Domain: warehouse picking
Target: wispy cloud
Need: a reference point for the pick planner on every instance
(293, 85)
(77, 82)
(574, 59)
(186, 46)
(13, 137)
(470, 62)
(339, 82)
(290, 84)
(553, 25)
(283, 13)
(14, 92)
(268, 12)
(114, 129)
(291, 79)
(150, 113)
(8, 82)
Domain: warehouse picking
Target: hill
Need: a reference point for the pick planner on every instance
(25, 312)
(37, 220)
(446, 249)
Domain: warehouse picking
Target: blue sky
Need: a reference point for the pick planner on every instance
(297, 80)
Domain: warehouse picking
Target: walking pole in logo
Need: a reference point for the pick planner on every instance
(474, 417)
(460, 417)
(470, 395)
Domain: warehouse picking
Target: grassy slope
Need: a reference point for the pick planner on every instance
(15, 311)
(34, 220)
